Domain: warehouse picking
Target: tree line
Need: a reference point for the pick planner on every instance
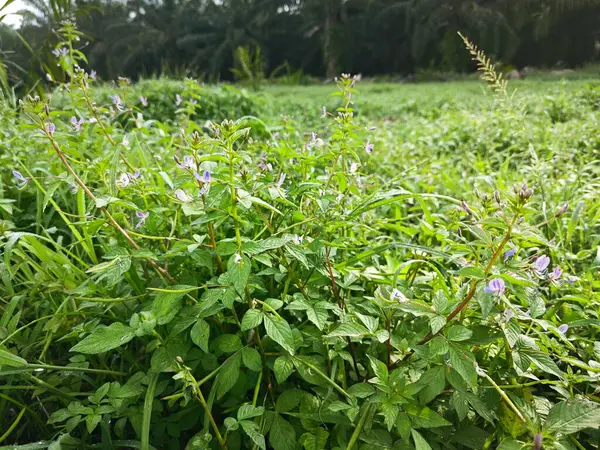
(320, 38)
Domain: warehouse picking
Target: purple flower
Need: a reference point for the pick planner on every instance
(63, 51)
(281, 180)
(555, 274)
(50, 128)
(117, 102)
(541, 264)
(142, 216)
(135, 175)
(508, 314)
(206, 178)
(563, 328)
(21, 180)
(509, 254)
(188, 163)
(178, 100)
(495, 286)
(143, 101)
(77, 123)
(369, 147)
(93, 74)
(323, 112)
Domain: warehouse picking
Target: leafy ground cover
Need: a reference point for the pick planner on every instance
(416, 269)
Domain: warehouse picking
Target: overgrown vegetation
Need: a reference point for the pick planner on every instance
(353, 276)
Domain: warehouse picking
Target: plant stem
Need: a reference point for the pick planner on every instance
(358, 428)
(148, 400)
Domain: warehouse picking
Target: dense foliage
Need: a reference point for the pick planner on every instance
(316, 37)
(421, 274)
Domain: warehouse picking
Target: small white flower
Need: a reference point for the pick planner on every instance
(238, 258)
(298, 239)
(182, 196)
(123, 181)
(399, 296)
(354, 167)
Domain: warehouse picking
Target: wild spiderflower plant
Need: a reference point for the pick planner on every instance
(266, 293)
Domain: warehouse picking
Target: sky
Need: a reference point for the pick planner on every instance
(11, 19)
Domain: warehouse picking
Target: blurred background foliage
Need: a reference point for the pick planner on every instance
(297, 39)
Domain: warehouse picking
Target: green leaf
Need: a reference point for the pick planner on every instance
(255, 248)
(253, 431)
(543, 361)
(317, 315)
(380, 369)
(288, 400)
(462, 361)
(426, 418)
(282, 435)
(104, 339)
(251, 359)
(251, 319)
(239, 272)
(316, 440)
(279, 330)
(420, 442)
(249, 411)
(228, 374)
(228, 343)
(231, 424)
(92, 421)
(370, 322)
(433, 382)
(390, 413)
(436, 323)
(459, 333)
(112, 270)
(283, 368)
(166, 305)
(298, 253)
(509, 444)
(361, 390)
(472, 272)
(349, 330)
(200, 334)
(9, 359)
(573, 416)
(105, 200)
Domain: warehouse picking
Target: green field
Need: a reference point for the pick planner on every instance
(417, 268)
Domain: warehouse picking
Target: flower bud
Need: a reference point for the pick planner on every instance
(466, 208)
(537, 441)
(564, 208)
(497, 197)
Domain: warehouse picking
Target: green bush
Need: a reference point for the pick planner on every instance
(360, 284)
